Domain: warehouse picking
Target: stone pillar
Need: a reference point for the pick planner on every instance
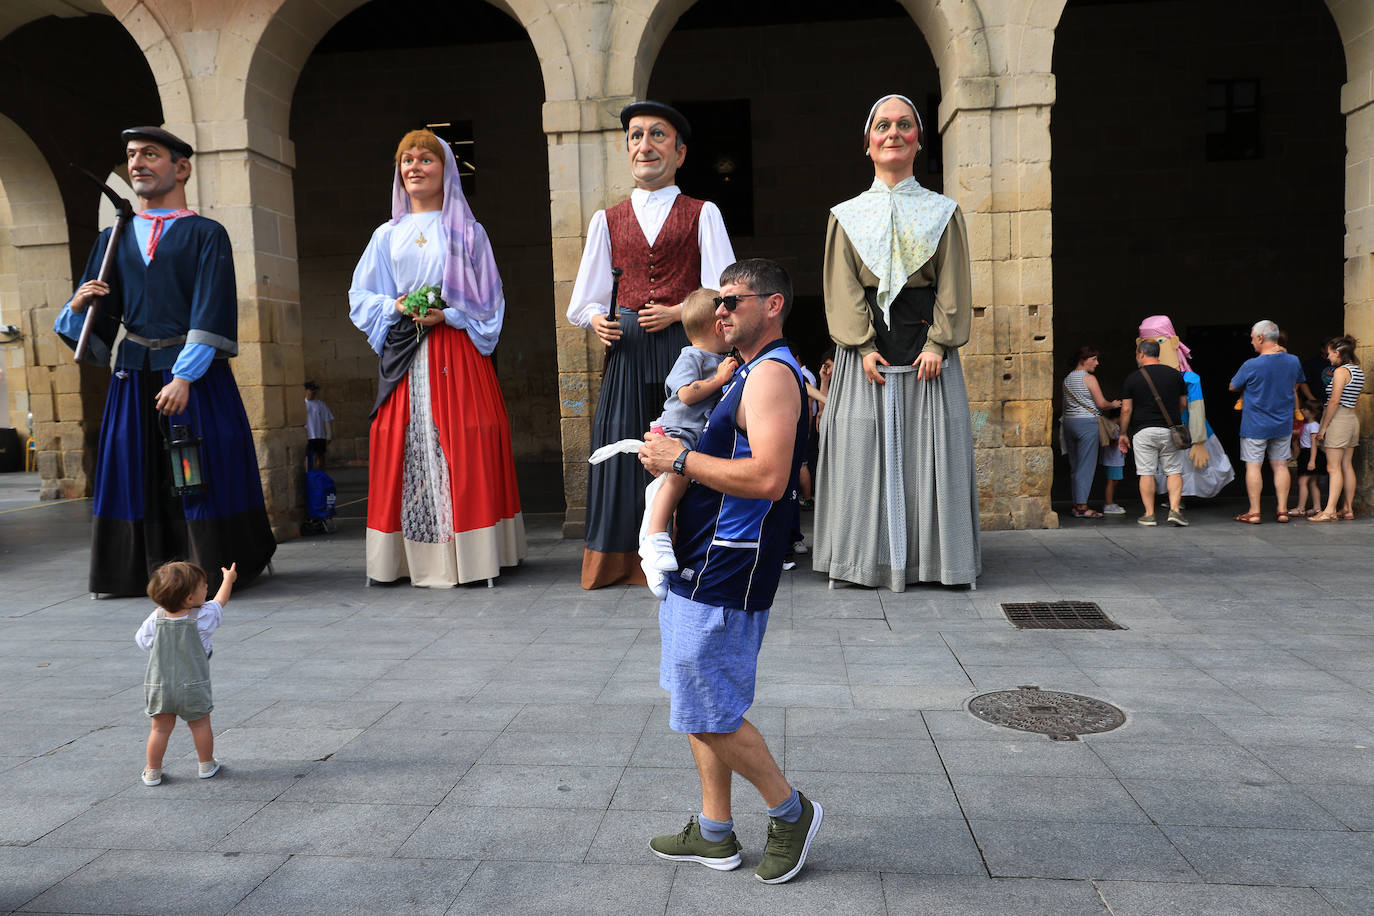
(997, 153)
(250, 189)
(1357, 104)
(585, 142)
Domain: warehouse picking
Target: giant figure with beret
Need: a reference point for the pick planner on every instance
(666, 244)
(172, 289)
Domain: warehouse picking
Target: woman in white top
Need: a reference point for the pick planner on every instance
(443, 507)
(1339, 432)
(1083, 403)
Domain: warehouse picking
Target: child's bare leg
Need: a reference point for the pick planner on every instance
(158, 734)
(204, 739)
(665, 502)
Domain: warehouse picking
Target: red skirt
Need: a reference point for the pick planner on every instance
(443, 505)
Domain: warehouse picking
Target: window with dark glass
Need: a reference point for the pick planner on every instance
(1233, 120)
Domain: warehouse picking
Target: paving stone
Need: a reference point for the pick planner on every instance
(540, 888)
(1048, 850)
(537, 786)
(454, 831)
(1352, 765)
(26, 872)
(187, 882)
(152, 823)
(1134, 898)
(862, 755)
(1281, 857)
(1047, 798)
(1352, 805)
(932, 895)
(1027, 754)
(324, 828)
(1229, 803)
(328, 885)
(1184, 761)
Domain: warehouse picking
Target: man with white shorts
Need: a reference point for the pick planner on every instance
(1267, 384)
(1148, 414)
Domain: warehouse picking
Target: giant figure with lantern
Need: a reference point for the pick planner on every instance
(176, 471)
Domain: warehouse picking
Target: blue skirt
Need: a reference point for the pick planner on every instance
(139, 523)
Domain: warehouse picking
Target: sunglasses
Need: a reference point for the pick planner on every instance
(732, 302)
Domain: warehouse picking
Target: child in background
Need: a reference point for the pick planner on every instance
(178, 635)
(693, 387)
(1113, 466)
(1311, 464)
(319, 427)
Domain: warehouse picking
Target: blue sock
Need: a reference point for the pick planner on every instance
(714, 831)
(789, 810)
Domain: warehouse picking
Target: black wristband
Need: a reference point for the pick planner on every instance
(680, 463)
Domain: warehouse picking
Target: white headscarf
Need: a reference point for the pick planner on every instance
(894, 230)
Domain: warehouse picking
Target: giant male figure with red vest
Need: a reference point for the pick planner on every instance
(172, 289)
(666, 245)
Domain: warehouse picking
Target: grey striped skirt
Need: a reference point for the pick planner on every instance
(896, 493)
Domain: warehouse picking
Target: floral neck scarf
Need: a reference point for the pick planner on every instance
(895, 231)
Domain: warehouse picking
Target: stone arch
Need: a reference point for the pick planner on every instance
(167, 61)
(954, 32)
(290, 35)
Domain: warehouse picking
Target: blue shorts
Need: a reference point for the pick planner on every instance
(708, 661)
(1114, 471)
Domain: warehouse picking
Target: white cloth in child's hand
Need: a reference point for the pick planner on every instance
(623, 447)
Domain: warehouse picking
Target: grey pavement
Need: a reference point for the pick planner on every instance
(506, 750)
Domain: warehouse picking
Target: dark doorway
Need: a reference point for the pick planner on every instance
(805, 119)
(1199, 173)
(483, 91)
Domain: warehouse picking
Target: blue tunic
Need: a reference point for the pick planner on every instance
(187, 289)
(731, 548)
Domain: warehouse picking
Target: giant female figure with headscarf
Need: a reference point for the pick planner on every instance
(1208, 469)
(443, 506)
(897, 498)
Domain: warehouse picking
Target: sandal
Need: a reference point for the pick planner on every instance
(1321, 517)
(1347, 516)
(1249, 518)
(1085, 512)
(1298, 513)
(1281, 516)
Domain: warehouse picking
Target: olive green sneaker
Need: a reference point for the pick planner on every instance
(691, 846)
(788, 844)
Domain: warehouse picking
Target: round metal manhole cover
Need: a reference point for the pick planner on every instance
(1061, 716)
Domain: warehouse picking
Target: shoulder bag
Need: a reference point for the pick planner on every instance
(1177, 431)
(1107, 429)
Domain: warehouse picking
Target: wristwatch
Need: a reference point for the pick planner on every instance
(680, 463)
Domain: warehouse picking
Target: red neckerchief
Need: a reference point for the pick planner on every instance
(158, 222)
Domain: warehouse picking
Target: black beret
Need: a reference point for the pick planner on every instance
(674, 117)
(158, 135)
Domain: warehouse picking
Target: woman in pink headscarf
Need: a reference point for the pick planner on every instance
(443, 507)
(1208, 468)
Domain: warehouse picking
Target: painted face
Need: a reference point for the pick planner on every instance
(654, 153)
(152, 173)
(893, 137)
(422, 173)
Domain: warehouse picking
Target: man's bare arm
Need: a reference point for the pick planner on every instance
(768, 412)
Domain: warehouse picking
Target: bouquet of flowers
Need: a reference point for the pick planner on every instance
(419, 303)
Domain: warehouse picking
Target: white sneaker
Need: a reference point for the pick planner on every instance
(657, 551)
(800, 547)
(1113, 509)
(151, 776)
(208, 768)
(656, 579)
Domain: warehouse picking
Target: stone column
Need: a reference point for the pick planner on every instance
(585, 166)
(997, 150)
(1357, 104)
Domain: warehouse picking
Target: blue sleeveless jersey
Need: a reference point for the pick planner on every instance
(731, 548)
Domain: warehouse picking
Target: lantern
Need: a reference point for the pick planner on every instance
(183, 448)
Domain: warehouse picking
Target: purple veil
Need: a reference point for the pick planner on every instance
(471, 281)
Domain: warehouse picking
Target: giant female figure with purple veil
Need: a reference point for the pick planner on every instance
(443, 506)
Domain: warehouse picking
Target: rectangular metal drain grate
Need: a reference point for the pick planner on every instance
(1058, 615)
